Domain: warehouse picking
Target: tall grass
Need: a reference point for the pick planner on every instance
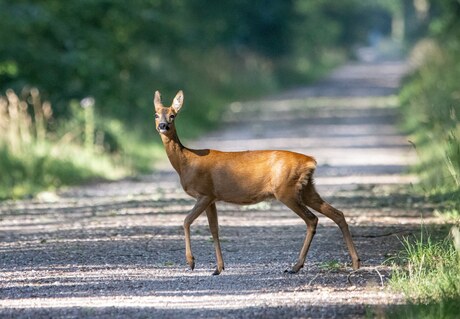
(17, 126)
(37, 152)
(427, 271)
(431, 107)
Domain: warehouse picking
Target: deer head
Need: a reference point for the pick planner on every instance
(165, 116)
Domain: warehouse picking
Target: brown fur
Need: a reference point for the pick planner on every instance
(244, 178)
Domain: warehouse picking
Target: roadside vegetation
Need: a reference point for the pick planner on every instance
(427, 271)
(37, 152)
(431, 107)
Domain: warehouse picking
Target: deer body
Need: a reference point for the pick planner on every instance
(244, 178)
(240, 177)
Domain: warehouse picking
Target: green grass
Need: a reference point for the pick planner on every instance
(47, 167)
(427, 271)
(443, 309)
(450, 214)
(331, 265)
(39, 153)
(50, 166)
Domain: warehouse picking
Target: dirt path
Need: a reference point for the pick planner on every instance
(116, 250)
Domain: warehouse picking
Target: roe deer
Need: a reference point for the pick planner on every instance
(244, 178)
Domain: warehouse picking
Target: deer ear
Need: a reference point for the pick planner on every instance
(157, 100)
(178, 100)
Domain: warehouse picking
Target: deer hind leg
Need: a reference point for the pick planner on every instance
(310, 219)
(312, 199)
(200, 206)
(211, 213)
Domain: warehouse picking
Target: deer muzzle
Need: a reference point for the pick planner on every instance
(163, 127)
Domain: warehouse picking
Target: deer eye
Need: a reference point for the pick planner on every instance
(172, 116)
(157, 116)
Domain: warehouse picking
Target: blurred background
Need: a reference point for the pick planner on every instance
(77, 77)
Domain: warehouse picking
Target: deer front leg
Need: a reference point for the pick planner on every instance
(211, 212)
(200, 206)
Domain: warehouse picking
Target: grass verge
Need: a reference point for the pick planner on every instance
(427, 271)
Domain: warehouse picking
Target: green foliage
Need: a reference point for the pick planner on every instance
(431, 102)
(431, 107)
(119, 52)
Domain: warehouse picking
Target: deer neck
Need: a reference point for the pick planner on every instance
(175, 150)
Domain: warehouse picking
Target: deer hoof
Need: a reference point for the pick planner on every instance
(291, 271)
(191, 263)
(294, 270)
(218, 270)
(356, 264)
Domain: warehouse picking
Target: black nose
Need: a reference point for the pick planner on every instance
(163, 126)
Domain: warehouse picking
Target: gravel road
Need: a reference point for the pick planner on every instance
(116, 250)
